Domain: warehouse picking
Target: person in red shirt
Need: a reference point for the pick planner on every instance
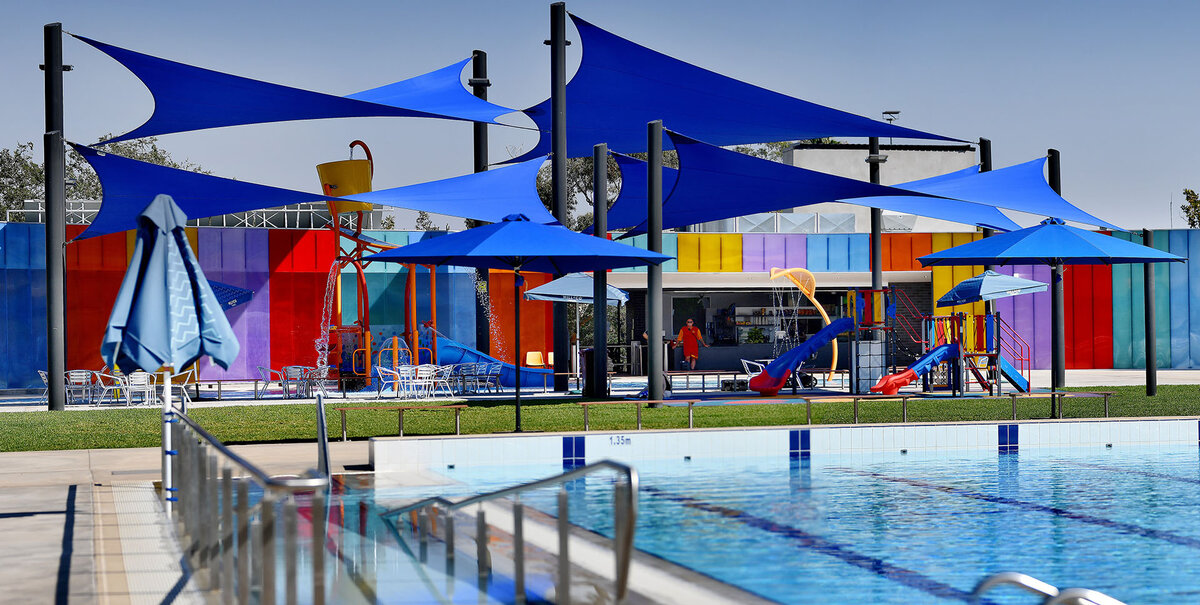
(691, 339)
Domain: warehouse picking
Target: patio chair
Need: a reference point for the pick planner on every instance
(110, 387)
(752, 368)
(399, 380)
(79, 386)
(266, 376)
(46, 383)
(491, 377)
(141, 384)
(442, 380)
(179, 385)
(295, 381)
(422, 382)
(534, 359)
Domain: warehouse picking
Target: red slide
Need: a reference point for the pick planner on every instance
(890, 385)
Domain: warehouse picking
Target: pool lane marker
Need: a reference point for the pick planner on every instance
(1120, 526)
(842, 552)
(1129, 471)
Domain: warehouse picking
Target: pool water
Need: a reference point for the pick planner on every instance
(906, 528)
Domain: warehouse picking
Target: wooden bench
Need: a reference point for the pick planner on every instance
(638, 403)
(1056, 400)
(400, 409)
(903, 397)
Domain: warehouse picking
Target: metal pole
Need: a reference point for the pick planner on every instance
(1058, 332)
(226, 536)
(243, 547)
(1151, 343)
(289, 552)
(873, 162)
(558, 171)
(267, 550)
(599, 369)
(168, 482)
(517, 281)
(654, 293)
(562, 593)
(319, 532)
(985, 165)
(56, 218)
(518, 511)
(479, 83)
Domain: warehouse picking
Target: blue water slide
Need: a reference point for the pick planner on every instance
(934, 357)
(1013, 375)
(451, 351)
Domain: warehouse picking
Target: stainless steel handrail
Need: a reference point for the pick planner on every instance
(230, 548)
(625, 522)
(1051, 595)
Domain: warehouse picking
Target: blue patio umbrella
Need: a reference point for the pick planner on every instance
(1055, 244)
(989, 285)
(166, 313)
(518, 244)
(574, 288)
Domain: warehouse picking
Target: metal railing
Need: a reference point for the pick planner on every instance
(624, 522)
(1050, 594)
(229, 546)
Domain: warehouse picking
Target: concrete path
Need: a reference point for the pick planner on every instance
(79, 527)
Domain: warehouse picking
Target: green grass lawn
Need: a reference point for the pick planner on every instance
(28, 431)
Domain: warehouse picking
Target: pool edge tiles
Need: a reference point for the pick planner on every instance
(575, 449)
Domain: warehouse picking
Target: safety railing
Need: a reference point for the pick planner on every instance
(624, 522)
(229, 545)
(1050, 594)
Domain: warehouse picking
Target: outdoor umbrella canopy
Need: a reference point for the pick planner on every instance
(518, 244)
(989, 285)
(1050, 243)
(166, 313)
(574, 288)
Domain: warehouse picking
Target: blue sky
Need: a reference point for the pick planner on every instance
(1112, 85)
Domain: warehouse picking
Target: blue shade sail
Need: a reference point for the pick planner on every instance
(620, 86)
(715, 183)
(130, 184)
(1020, 187)
(166, 313)
(629, 209)
(190, 98)
(989, 285)
(127, 184)
(1046, 244)
(486, 196)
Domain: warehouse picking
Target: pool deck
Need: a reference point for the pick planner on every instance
(77, 530)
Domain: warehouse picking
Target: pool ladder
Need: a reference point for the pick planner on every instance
(624, 522)
(1051, 595)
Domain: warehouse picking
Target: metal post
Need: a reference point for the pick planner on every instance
(56, 218)
(518, 511)
(243, 547)
(226, 536)
(168, 482)
(213, 542)
(518, 280)
(654, 293)
(479, 83)
(562, 593)
(1151, 341)
(318, 547)
(289, 552)
(200, 502)
(599, 369)
(481, 549)
(873, 162)
(267, 550)
(558, 171)
(1058, 332)
(985, 165)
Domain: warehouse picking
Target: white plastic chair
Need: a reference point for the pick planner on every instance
(179, 385)
(422, 382)
(752, 368)
(46, 383)
(491, 377)
(295, 381)
(442, 379)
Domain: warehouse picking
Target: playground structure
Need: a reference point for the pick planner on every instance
(960, 349)
(349, 349)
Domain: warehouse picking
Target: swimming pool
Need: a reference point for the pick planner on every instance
(921, 526)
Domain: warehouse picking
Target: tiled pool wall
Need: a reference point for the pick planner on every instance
(575, 449)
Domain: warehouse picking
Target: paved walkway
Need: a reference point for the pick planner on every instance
(75, 525)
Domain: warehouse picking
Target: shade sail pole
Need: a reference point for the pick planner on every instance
(517, 280)
(56, 219)
(598, 384)
(1058, 330)
(1151, 341)
(479, 84)
(558, 170)
(985, 165)
(654, 293)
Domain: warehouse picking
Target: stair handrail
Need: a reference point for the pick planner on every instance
(1051, 595)
(1020, 350)
(624, 513)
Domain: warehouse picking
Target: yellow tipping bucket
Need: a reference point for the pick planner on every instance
(345, 177)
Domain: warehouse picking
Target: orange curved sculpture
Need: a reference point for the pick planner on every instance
(806, 282)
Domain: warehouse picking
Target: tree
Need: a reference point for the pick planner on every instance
(388, 222)
(424, 223)
(1191, 208)
(21, 178)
